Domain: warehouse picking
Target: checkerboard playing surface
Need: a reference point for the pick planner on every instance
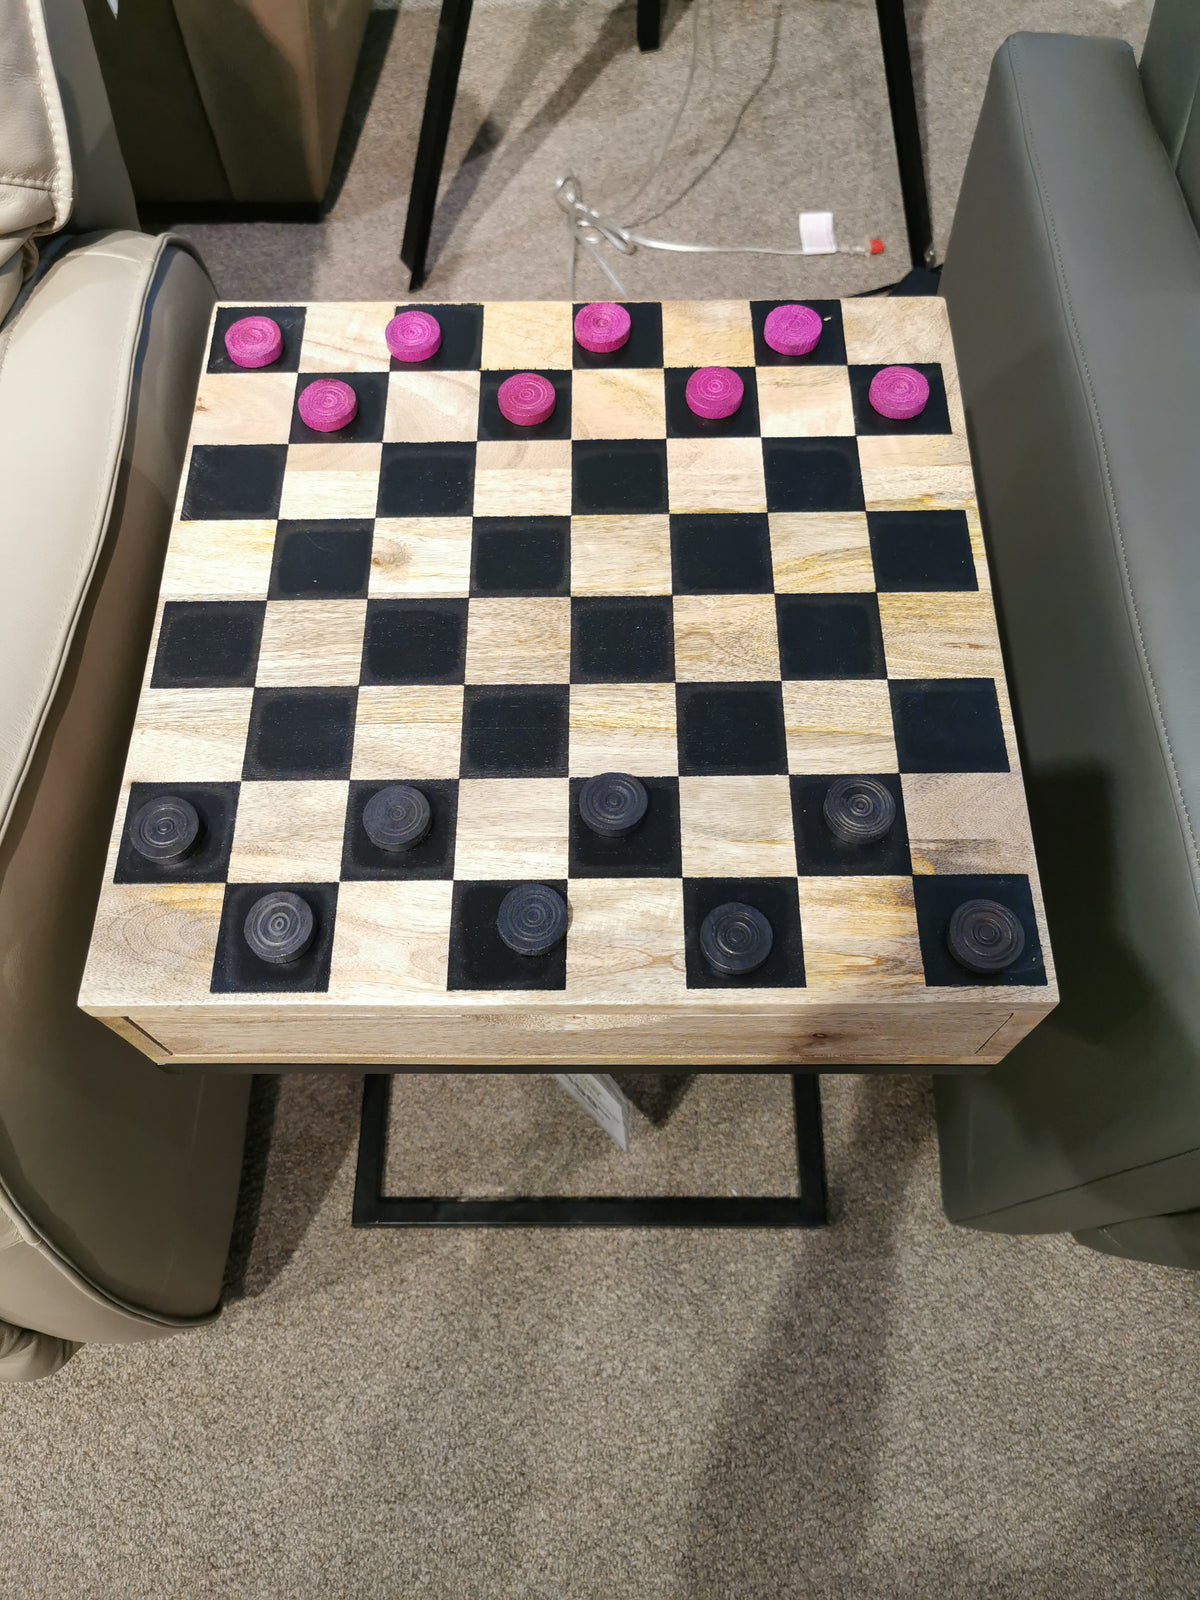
(737, 612)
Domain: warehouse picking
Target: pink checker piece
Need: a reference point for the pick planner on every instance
(413, 336)
(602, 327)
(327, 405)
(899, 392)
(793, 330)
(253, 341)
(526, 399)
(714, 392)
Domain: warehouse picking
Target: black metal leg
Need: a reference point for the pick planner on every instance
(435, 128)
(649, 24)
(374, 1209)
(906, 130)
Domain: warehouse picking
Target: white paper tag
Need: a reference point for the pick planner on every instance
(599, 1096)
(816, 233)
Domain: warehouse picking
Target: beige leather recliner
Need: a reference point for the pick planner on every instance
(118, 1182)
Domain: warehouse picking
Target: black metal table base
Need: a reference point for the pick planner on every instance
(374, 1209)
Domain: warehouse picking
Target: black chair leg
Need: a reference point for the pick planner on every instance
(649, 24)
(906, 129)
(435, 129)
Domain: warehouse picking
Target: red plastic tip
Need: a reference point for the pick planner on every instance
(876, 247)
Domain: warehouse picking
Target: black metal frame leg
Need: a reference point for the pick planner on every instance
(906, 129)
(649, 24)
(435, 130)
(374, 1209)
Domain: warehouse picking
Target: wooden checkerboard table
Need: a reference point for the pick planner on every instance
(735, 612)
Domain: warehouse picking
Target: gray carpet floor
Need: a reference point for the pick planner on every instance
(887, 1408)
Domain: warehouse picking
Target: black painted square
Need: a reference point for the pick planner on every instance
(820, 853)
(461, 349)
(365, 427)
(415, 641)
(321, 560)
(432, 858)
(493, 424)
(683, 423)
(812, 474)
(426, 480)
(610, 476)
(234, 480)
(208, 644)
(300, 733)
(479, 958)
(830, 349)
(948, 725)
(777, 899)
(730, 728)
(934, 419)
(521, 555)
(291, 327)
(652, 850)
(715, 553)
(643, 348)
(622, 639)
(515, 731)
(829, 636)
(208, 861)
(921, 550)
(937, 898)
(237, 970)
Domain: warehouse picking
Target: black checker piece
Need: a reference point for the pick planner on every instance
(721, 554)
(415, 641)
(830, 350)
(610, 476)
(236, 967)
(732, 728)
(829, 636)
(461, 348)
(300, 733)
(917, 551)
(937, 898)
(622, 640)
(426, 480)
(207, 861)
(521, 556)
(820, 852)
(683, 423)
(515, 731)
(365, 427)
(812, 474)
(643, 348)
(479, 958)
(776, 899)
(290, 320)
(652, 850)
(935, 418)
(493, 424)
(433, 857)
(321, 560)
(208, 644)
(947, 725)
(226, 481)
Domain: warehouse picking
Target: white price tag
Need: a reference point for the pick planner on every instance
(599, 1096)
(816, 233)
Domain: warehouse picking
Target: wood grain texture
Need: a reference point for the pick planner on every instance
(737, 827)
(346, 336)
(331, 480)
(839, 725)
(621, 555)
(721, 638)
(804, 402)
(218, 561)
(527, 335)
(523, 478)
(243, 407)
(624, 943)
(940, 636)
(390, 937)
(860, 936)
(289, 831)
(967, 822)
(429, 407)
(512, 828)
(916, 472)
(623, 727)
(311, 642)
(626, 403)
(189, 735)
(410, 731)
(521, 640)
(716, 475)
(415, 556)
(821, 552)
(707, 333)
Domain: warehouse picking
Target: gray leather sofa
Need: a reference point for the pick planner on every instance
(1073, 285)
(118, 1183)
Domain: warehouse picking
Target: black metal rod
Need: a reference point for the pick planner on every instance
(435, 130)
(906, 129)
(649, 24)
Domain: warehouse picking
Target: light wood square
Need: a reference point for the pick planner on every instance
(626, 940)
(189, 736)
(821, 552)
(243, 408)
(512, 828)
(218, 561)
(916, 472)
(715, 475)
(289, 831)
(346, 336)
(897, 332)
(967, 822)
(940, 635)
(311, 642)
(860, 935)
(392, 940)
(737, 827)
(408, 731)
(519, 640)
(707, 333)
(839, 725)
(523, 478)
(621, 555)
(623, 727)
(421, 556)
(428, 407)
(804, 402)
(528, 335)
(725, 638)
(153, 943)
(624, 403)
(331, 480)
